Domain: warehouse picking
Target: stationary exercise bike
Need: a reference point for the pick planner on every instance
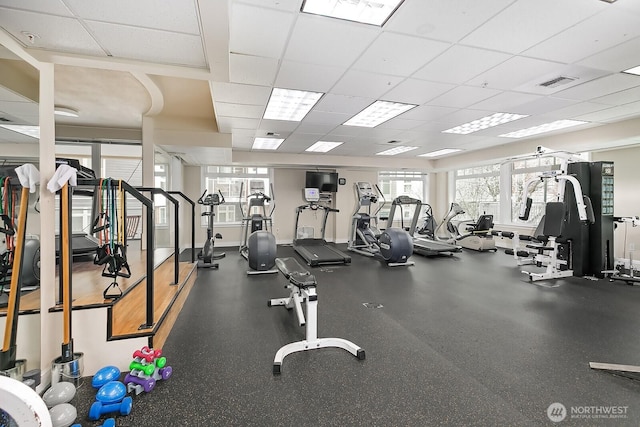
(207, 254)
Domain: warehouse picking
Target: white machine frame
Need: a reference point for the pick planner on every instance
(303, 290)
(553, 264)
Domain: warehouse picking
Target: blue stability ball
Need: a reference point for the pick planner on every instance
(111, 392)
(104, 375)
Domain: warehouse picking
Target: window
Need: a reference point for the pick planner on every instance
(477, 191)
(228, 180)
(160, 180)
(399, 183)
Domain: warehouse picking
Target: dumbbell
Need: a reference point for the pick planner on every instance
(147, 369)
(110, 399)
(98, 408)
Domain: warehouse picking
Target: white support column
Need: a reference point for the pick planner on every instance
(148, 163)
(51, 338)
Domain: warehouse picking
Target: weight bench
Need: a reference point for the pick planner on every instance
(303, 289)
(549, 253)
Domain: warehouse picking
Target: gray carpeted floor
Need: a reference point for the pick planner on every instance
(462, 340)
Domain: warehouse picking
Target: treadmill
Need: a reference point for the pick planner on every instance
(316, 251)
(421, 245)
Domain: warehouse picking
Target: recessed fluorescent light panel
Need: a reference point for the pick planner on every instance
(374, 12)
(291, 105)
(484, 123)
(323, 146)
(395, 150)
(266, 143)
(634, 71)
(32, 131)
(439, 153)
(547, 127)
(377, 113)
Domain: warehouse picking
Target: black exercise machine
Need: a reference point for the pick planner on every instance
(394, 246)
(258, 245)
(316, 251)
(424, 242)
(207, 254)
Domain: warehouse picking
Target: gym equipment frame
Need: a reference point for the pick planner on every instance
(303, 289)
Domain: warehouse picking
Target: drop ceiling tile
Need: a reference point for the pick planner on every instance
(385, 55)
(252, 70)
(616, 58)
(54, 32)
(240, 94)
(175, 15)
(282, 127)
(528, 22)
(287, 5)
(360, 83)
(239, 110)
(579, 73)
(326, 118)
(600, 87)
(400, 124)
(589, 37)
(229, 124)
(463, 96)
(515, 72)
(269, 30)
(448, 67)
(314, 128)
(545, 104)
(620, 98)
(414, 91)
(316, 78)
(342, 104)
(53, 7)
(428, 112)
(506, 102)
(318, 40)
(574, 111)
(613, 114)
(448, 21)
(149, 45)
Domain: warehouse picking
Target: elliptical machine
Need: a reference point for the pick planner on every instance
(394, 245)
(258, 244)
(207, 254)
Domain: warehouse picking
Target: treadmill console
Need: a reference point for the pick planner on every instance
(312, 195)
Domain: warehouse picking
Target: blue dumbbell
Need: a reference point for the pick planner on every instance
(111, 398)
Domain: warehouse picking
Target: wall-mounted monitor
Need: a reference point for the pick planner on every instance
(324, 181)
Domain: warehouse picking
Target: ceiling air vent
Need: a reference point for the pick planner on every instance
(558, 81)
(393, 141)
(4, 120)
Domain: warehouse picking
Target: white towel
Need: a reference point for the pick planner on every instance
(29, 176)
(63, 174)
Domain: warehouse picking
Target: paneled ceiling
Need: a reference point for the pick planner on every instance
(456, 60)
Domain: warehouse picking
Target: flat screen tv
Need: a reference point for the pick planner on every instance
(324, 181)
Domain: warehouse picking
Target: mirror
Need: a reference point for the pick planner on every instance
(19, 144)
